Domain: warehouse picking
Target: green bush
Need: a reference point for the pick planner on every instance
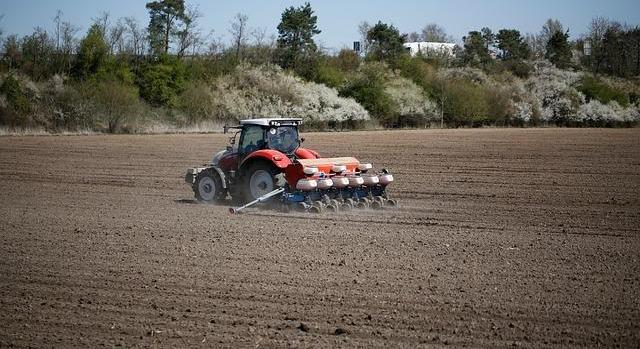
(207, 68)
(347, 60)
(329, 75)
(199, 103)
(367, 88)
(162, 81)
(594, 88)
(17, 99)
(500, 107)
(466, 103)
(420, 72)
(115, 103)
(115, 69)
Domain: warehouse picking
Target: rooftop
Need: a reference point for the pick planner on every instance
(271, 121)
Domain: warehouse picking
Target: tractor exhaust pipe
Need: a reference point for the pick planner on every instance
(263, 198)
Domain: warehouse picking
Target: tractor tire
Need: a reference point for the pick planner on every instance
(208, 186)
(259, 179)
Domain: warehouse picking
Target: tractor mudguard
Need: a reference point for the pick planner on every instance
(275, 157)
(190, 177)
(304, 153)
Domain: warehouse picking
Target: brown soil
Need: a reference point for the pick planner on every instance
(504, 237)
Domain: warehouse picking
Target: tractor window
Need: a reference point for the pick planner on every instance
(283, 139)
(252, 139)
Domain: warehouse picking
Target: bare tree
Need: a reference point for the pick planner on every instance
(239, 32)
(414, 37)
(432, 32)
(116, 37)
(190, 36)
(535, 42)
(598, 27)
(69, 44)
(103, 21)
(215, 44)
(57, 20)
(259, 35)
(136, 35)
(262, 50)
(597, 31)
(363, 30)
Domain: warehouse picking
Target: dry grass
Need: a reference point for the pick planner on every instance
(201, 127)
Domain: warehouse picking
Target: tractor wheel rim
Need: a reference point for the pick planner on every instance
(207, 188)
(261, 183)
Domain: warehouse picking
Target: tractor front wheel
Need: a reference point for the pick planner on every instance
(208, 186)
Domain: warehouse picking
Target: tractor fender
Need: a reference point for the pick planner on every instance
(222, 176)
(192, 173)
(304, 153)
(275, 157)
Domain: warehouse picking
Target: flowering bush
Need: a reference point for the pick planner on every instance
(411, 100)
(268, 91)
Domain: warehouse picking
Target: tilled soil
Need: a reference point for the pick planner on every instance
(524, 237)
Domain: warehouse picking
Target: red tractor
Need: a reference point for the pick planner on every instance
(268, 160)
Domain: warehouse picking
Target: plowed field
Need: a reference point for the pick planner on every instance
(525, 237)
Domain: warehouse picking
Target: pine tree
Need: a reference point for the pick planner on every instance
(558, 50)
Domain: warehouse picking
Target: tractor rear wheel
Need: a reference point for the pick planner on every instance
(259, 179)
(208, 186)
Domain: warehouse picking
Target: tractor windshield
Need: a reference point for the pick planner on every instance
(283, 139)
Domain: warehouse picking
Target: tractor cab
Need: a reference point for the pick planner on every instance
(275, 134)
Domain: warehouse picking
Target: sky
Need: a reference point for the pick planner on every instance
(338, 19)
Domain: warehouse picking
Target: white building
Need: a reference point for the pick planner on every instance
(429, 47)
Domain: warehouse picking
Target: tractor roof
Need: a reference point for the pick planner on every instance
(271, 121)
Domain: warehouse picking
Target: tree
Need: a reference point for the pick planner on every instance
(597, 30)
(38, 50)
(363, 29)
(476, 48)
(536, 45)
(135, 37)
(550, 28)
(92, 53)
(57, 20)
(488, 36)
(414, 37)
(239, 33)
(435, 33)
(190, 36)
(558, 50)
(512, 45)
(68, 46)
(385, 42)
(116, 40)
(12, 52)
(165, 18)
(295, 35)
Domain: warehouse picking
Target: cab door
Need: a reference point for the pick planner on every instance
(251, 139)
